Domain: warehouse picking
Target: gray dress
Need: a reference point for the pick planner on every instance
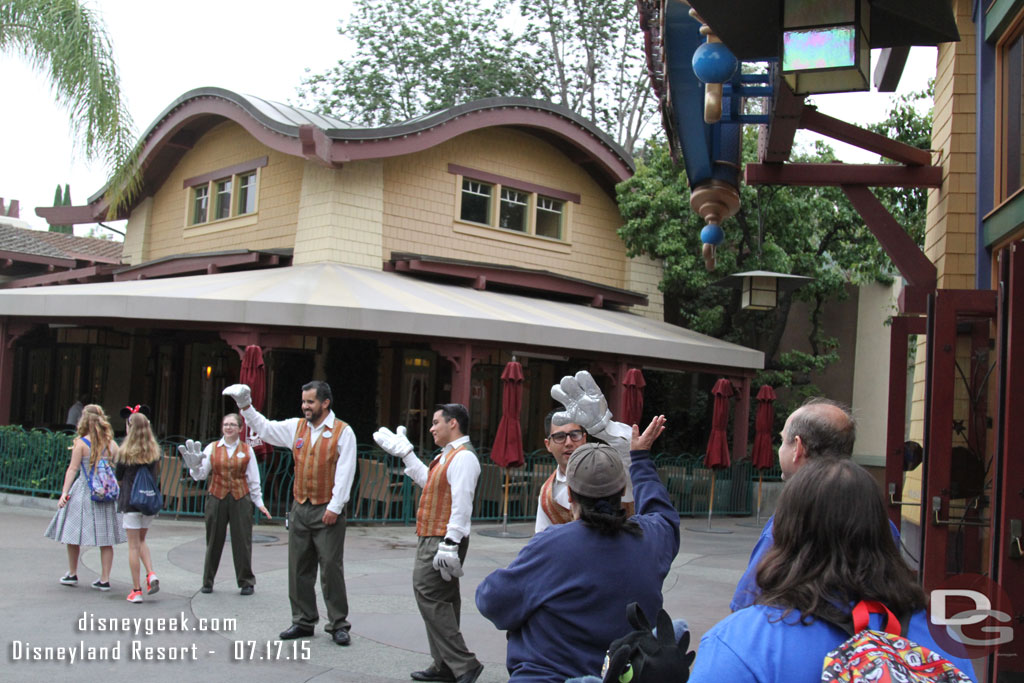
(83, 521)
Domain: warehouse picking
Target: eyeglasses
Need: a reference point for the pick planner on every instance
(559, 437)
(231, 424)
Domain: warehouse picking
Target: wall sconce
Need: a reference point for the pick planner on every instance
(825, 45)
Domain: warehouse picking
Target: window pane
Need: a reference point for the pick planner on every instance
(246, 193)
(512, 213)
(476, 202)
(223, 198)
(549, 217)
(1013, 73)
(200, 204)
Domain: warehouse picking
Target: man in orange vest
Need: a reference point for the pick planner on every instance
(562, 440)
(324, 450)
(442, 524)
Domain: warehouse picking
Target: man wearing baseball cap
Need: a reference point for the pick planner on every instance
(562, 600)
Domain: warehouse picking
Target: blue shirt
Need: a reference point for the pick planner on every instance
(755, 644)
(747, 590)
(563, 599)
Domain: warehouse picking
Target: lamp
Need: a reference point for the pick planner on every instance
(825, 45)
(760, 288)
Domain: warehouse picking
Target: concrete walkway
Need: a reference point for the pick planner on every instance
(388, 639)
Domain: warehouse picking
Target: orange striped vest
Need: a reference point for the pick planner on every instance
(315, 465)
(227, 474)
(436, 500)
(555, 512)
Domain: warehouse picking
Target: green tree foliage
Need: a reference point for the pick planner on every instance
(810, 231)
(422, 56)
(64, 199)
(68, 43)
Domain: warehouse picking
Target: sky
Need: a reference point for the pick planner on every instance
(258, 47)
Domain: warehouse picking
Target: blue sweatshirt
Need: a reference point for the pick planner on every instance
(757, 645)
(563, 599)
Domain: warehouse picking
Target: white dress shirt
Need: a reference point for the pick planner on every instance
(282, 433)
(252, 470)
(462, 476)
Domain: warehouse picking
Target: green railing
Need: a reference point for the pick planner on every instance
(34, 462)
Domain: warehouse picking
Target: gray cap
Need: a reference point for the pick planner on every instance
(595, 470)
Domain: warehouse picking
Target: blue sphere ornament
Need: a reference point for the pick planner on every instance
(714, 63)
(712, 234)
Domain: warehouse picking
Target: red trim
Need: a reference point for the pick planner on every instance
(902, 327)
(201, 263)
(813, 120)
(77, 275)
(496, 179)
(787, 108)
(819, 175)
(227, 172)
(21, 257)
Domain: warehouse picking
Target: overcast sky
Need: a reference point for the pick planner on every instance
(258, 47)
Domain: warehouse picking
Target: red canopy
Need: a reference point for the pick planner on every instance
(763, 456)
(508, 442)
(254, 373)
(633, 405)
(718, 444)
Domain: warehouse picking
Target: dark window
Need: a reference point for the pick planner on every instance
(476, 202)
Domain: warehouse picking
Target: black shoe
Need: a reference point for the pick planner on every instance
(434, 673)
(206, 589)
(296, 631)
(247, 590)
(341, 637)
(470, 676)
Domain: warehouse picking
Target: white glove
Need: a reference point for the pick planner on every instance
(447, 561)
(395, 443)
(192, 453)
(584, 403)
(241, 393)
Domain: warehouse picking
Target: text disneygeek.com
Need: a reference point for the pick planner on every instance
(137, 649)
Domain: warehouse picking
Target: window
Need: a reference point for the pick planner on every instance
(1013, 99)
(224, 194)
(476, 202)
(200, 204)
(521, 207)
(223, 199)
(514, 208)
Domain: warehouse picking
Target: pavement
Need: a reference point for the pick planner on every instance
(180, 633)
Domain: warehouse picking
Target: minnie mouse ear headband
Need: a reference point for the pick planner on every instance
(127, 411)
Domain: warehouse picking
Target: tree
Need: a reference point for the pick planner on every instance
(800, 230)
(62, 200)
(421, 56)
(426, 55)
(68, 42)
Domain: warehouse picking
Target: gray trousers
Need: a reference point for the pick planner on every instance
(219, 514)
(312, 545)
(440, 604)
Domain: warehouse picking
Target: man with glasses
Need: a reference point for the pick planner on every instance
(562, 440)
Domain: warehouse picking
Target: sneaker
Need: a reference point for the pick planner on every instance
(69, 579)
(135, 596)
(152, 583)
(101, 585)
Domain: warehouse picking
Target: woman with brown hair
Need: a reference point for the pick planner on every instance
(833, 550)
(139, 450)
(80, 520)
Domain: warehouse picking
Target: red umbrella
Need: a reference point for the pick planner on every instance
(254, 373)
(508, 442)
(633, 406)
(718, 445)
(763, 457)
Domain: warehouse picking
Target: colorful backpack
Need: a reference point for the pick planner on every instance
(103, 486)
(885, 656)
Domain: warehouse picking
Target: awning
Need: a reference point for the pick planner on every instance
(341, 297)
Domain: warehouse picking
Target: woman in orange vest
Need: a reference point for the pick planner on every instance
(234, 487)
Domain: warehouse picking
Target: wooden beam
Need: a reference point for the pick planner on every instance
(825, 175)
(900, 152)
(776, 141)
(890, 68)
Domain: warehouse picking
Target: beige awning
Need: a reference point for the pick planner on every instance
(335, 296)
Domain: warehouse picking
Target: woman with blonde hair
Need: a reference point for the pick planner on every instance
(139, 450)
(80, 520)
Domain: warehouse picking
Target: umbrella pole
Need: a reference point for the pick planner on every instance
(504, 514)
(711, 499)
(760, 480)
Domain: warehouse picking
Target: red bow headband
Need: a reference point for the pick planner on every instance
(128, 411)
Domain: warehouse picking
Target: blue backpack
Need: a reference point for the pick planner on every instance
(145, 496)
(103, 486)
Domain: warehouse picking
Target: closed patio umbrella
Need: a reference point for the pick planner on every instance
(717, 454)
(762, 457)
(633, 406)
(254, 374)
(507, 450)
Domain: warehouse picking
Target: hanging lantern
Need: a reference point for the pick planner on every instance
(825, 45)
(760, 288)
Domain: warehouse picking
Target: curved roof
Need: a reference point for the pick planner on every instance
(332, 141)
